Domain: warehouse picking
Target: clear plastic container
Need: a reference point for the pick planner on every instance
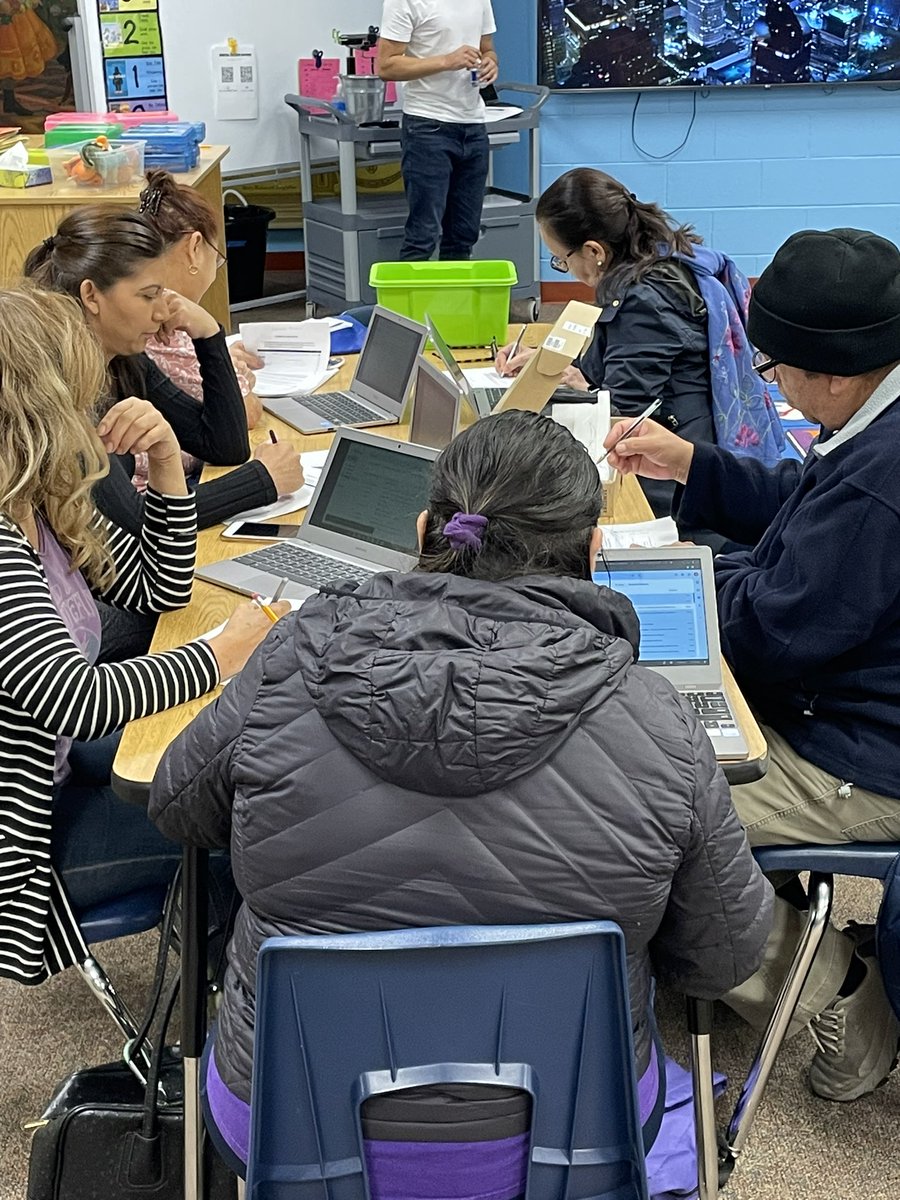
(97, 165)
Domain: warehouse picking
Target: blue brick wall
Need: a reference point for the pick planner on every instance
(758, 165)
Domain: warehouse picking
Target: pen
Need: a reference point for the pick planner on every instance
(495, 349)
(273, 437)
(648, 412)
(279, 591)
(516, 344)
(258, 601)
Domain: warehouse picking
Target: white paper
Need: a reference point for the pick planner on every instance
(646, 534)
(589, 423)
(488, 377)
(284, 504)
(235, 85)
(313, 463)
(296, 355)
(500, 112)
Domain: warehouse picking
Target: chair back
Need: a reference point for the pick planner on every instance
(542, 1008)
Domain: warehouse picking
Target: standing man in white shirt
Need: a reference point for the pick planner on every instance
(443, 52)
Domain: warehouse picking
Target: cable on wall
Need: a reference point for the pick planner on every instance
(669, 153)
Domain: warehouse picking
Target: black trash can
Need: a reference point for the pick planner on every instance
(246, 233)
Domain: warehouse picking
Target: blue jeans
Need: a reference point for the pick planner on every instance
(445, 169)
(103, 847)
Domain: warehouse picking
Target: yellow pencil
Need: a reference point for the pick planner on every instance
(270, 613)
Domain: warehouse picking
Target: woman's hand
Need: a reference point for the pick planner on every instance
(282, 462)
(245, 359)
(651, 451)
(573, 378)
(185, 314)
(505, 365)
(134, 426)
(246, 628)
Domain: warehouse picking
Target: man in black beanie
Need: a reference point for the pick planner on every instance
(810, 617)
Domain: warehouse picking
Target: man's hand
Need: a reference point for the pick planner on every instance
(489, 70)
(466, 58)
(651, 451)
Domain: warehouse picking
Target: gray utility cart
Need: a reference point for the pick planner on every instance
(345, 235)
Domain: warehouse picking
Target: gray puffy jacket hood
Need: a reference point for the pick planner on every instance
(499, 673)
(430, 750)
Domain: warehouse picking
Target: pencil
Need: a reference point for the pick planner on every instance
(515, 349)
(279, 591)
(259, 602)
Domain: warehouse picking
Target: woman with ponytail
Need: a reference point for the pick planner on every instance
(469, 742)
(672, 319)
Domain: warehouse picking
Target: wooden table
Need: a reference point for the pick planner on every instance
(144, 741)
(28, 215)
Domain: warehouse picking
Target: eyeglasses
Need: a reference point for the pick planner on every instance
(221, 260)
(765, 366)
(562, 264)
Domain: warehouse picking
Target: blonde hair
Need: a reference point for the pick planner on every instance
(52, 374)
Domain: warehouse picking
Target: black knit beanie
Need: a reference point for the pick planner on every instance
(829, 302)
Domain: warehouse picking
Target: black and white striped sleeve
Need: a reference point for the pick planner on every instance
(48, 677)
(155, 572)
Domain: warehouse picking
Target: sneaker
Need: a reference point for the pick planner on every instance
(858, 1037)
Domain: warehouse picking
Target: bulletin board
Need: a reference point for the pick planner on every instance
(133, 63)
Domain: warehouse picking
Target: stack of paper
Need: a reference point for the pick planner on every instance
(588, 422)
(295, 352)
(488, 377)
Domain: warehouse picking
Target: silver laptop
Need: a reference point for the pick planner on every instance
(379, 387)
(482, 400)
(362, 520)
(436, 404)
(674, 595)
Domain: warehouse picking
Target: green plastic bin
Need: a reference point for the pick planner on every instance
(468, 301)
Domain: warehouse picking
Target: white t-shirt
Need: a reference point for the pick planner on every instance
(432, 27)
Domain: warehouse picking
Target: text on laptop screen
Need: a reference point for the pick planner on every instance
(387, 359)
(668, 599)
(374, 495)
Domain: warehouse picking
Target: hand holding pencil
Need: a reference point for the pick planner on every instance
(246, 628)
(512, 358)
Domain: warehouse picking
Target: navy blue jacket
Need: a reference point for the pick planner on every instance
(810, 617)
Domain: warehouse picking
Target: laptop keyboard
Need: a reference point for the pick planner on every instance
(714, 713)
(493, 395)
(339, 407)
(302, 566)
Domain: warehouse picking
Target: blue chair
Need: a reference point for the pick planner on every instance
(865, 860)
(542, 1008)
(138, 912)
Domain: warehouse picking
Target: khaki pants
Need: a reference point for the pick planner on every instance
(796, 802)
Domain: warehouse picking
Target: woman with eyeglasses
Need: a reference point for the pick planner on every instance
(190, 231)
(672, 319)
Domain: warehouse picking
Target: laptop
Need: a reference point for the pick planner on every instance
(673, 592)
(361, 521)
(435, 410)
(379, 387)
(482, 400)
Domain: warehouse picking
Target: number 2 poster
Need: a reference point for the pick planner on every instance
(133, 64)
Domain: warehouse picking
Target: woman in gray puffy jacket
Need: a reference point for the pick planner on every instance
(472, 737)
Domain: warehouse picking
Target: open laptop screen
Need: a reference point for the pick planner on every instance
(387, 359)
(435, 410)
(373, 494)
(668, 599)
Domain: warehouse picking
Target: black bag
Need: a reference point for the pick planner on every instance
(107, 1136)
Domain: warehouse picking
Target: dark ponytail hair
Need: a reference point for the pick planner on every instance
(538, 488)
(587, 205)
(177, 210)
(97, 243)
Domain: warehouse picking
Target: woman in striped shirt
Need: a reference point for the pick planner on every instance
(66, 841)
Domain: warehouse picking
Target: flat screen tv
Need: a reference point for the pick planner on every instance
(599, 44)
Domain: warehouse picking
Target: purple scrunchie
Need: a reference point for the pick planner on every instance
(464, 531)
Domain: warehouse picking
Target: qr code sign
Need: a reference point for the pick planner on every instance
(228, 74)
(246, 74)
